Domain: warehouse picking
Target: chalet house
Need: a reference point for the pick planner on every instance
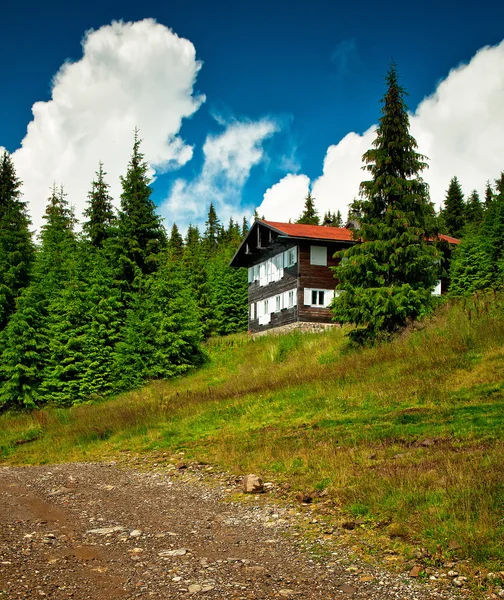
(289, 274)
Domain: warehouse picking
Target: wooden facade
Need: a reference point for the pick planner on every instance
(290, 275)
(275, 284)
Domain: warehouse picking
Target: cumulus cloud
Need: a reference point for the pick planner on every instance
(130, 75)
(285, 198)
(227, 161)
(460, 127)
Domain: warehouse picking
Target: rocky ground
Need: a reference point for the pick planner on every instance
(113, 531)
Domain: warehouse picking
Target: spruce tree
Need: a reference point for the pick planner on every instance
(141, 234)
(245, 228)
(454, 209)
(212, 230)
(389, 276)
(100, 211)
(472, 268)
(176, 242)
(327, 219)
(162, 332)
(309, 216)
(196, 261)
(16, 245)
(489, 196)
(27, 353)
(229, 293)
(473, 210)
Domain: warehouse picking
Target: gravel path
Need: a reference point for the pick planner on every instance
(104, 531)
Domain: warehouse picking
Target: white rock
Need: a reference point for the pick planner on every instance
(194, 588)
(105, 530)
(179, 552)
(252, 484)
(135, 533)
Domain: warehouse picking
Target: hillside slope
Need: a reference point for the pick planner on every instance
(405, 438)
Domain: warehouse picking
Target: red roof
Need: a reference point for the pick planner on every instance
(448, 238)
(319, 232)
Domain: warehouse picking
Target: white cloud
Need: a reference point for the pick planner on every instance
(130, 75)
(285, 198)
(228, 160)
(460, 128)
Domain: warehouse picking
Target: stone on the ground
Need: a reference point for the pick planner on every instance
(415, 571)
(252, 484)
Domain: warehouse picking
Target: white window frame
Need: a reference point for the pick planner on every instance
(327, 297)
(318, 255)
(290, 257)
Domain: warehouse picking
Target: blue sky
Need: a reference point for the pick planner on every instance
(312, 71)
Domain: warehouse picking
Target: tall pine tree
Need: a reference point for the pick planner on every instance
(100, 213)
(389, 276)
(16, 245)
(473, 210)
(454, 209)
(28, 353)
(141, 233)
(309, 216)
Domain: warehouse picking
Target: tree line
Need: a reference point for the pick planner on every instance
(90, 313)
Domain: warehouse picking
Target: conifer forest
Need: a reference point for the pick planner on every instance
(90, 310)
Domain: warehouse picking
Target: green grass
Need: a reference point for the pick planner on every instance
(408, 433)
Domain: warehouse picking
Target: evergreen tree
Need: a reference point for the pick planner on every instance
(454, 209)
(478, 262)
(212, 230)
(196, 261)
(16, 246)
(388, 277)
(27, 351)
(471, 267)
(162, 332)
(327, 219)
(99, 212)
(83, 326)
(255, 216)
(141, 234)
(488, 195)
(338, 220)
(473, 210)
(175, 243)
(245, 228)
(229, 290)
(309, 215)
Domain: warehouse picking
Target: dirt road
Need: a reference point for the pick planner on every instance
(103, 531)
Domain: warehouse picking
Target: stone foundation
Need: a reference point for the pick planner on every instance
(302, 326)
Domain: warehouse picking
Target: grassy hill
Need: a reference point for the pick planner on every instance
(406, 437)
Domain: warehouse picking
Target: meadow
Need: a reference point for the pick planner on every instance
(406, 437)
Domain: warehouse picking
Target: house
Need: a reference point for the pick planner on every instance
(289, 272)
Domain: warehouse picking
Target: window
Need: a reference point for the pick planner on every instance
(291, 299)
(290, 257)
(318, 255)
(266, 307)
(278, 303)
(317, 298)
(252, 311)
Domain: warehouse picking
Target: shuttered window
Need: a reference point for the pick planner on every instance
(318, 298)
(290, 257)
(318, 255)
